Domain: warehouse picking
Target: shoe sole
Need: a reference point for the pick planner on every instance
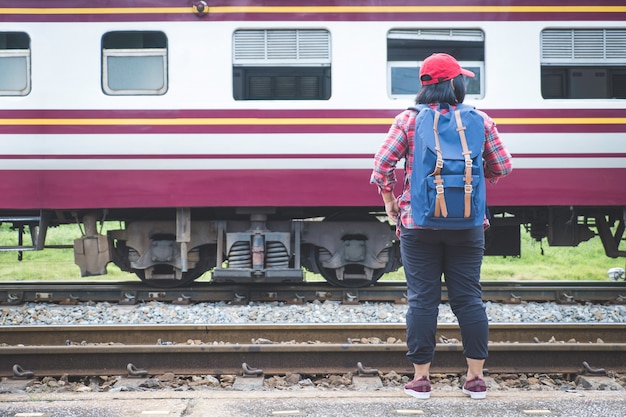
(475, 395)
(420, 395)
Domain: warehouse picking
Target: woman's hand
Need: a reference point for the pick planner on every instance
(391, 206)
(392, 210)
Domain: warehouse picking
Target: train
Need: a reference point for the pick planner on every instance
(236, 137)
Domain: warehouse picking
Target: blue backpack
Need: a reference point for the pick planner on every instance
(448, 180)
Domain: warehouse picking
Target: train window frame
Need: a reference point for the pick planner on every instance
(467, 45)
(281, 64)
(19, 71)
(135, 53)
(583, 63)
(477, 67)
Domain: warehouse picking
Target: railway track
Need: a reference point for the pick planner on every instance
(307, 349)
(515, 292)
(32, 351)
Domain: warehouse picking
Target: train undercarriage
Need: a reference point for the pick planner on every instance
(347, 247)
(256, 249)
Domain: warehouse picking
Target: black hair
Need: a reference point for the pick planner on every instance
(443, 92)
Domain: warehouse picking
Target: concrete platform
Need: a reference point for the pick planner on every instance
(312, 403)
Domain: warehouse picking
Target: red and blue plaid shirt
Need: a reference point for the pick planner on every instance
(398, 145)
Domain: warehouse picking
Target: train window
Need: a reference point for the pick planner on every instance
(134, 63)
(407, 49)
(583, 63)
(282, 64)
(14, 64)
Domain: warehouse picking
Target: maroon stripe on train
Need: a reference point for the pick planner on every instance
(243, 3)
(316, 188)
(301, 16)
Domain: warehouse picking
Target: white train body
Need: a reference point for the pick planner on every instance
(200, 168)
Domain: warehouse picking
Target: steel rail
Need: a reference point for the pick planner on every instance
(46, 335)
(297, 358)
(18, 292)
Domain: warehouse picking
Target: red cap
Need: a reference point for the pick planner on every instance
(438, 68)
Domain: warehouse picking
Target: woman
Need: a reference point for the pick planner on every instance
(427, 254)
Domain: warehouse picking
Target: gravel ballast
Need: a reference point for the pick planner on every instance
(315, 313)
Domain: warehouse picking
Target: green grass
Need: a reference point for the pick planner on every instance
(49, 264)
(584, 262)
(587, 261)
(538, 261)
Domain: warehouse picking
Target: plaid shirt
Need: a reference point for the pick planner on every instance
(398, 144)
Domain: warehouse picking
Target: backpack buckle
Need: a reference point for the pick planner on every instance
(439, 189)
(468, 163)
(439, 163)
(468, 188)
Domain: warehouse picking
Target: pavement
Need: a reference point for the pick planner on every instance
(313, 403)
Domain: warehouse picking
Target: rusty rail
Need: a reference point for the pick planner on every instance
(15, 293)
(111, 350)
(300, 358)
(300, 333)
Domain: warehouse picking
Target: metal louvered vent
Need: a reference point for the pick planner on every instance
(472, 35)
(297, 46)
(583, 46)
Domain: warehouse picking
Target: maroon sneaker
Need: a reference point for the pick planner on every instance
(418, 388)
(476, 388)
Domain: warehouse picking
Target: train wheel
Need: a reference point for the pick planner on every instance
(351, 273)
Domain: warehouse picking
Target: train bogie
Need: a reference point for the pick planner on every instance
(346, 252)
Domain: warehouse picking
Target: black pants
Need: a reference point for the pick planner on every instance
(457, 255)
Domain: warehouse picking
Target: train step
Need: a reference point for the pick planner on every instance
(37, 225)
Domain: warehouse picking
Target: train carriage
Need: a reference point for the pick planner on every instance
(237, 137)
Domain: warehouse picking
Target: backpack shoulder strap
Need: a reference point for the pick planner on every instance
(440, 201)
(468, 162)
